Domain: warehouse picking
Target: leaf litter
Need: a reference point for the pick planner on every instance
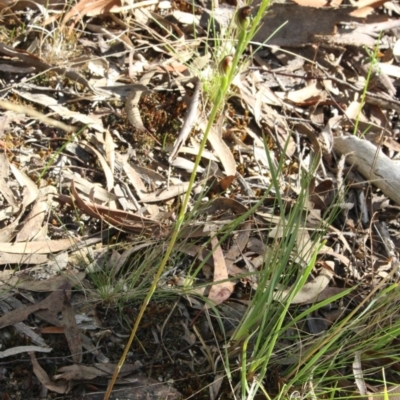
(100, 179)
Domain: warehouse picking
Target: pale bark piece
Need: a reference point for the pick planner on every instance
(358, 374)
(23, 349)
(220, 291)
(371, 163)
(312, 3)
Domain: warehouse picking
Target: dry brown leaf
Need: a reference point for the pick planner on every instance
(310, 291)
(58, 387)
(32, 191)
(311, 94)
(216, 385)
(220, 291)
(190, 119)
(328, 250)
(20, 259)
(73, 277)
(7, 193)
(165, 194)
(9, 231)
(137, 183)
(305, 247)
(304, 243)
(322, 195)
(39, 247)
(110, 151)
(312, 3)
(221, 149)
(90, 7)
(139, 387)
(41, 65)
(194, 151)
(292, 25)
(107, 170)
(87, 372)
(226, 181)
(238, 245)
(118, 218)
(33, 223)
(185, 164)
(52, 302)
(131, 106)
(71, 330)
(100, 194)
(52, 103)
(389, 392)
(221, 204)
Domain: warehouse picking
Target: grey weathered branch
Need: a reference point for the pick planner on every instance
(371, 163)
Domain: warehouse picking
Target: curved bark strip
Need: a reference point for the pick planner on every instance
(372, 164)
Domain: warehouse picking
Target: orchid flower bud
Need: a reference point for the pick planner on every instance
(225, 65)
(243, 17)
